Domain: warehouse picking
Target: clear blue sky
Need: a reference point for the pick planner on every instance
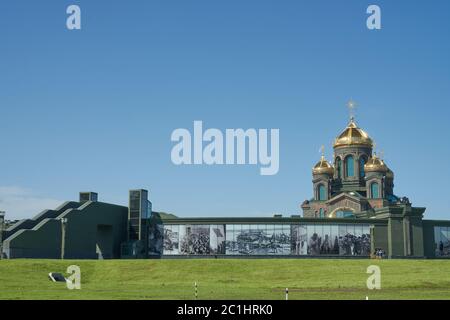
(94, 109)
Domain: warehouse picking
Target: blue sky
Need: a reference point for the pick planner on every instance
(94, 109)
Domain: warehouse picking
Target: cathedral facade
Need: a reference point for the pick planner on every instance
(358, 183)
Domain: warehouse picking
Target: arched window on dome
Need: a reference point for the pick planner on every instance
(362, 162)
(321, 213)
(339, 167)
(375, 190)
(349, 166)
(322, 192)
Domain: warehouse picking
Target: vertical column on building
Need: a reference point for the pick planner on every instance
(139, 211)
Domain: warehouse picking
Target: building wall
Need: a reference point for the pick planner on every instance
(90, 224)
(46, 214)
(417, 237)
(380, 238)
(435, 231)
(260, 238)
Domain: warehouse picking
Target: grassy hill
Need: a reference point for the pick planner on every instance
(227, 279)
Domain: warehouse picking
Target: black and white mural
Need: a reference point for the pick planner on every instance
(258, 239)
(346, 240)
(267, 239)
(217, 239)
(172, 239)
(299, 240)
(156, 239)
(194, 239)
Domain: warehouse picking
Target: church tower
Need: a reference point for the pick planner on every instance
(356, 184)
(322, 180)
(352, 150)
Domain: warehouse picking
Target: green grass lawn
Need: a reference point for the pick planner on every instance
(227, 279)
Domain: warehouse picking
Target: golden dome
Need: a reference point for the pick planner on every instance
(323, 167)
(352, 135)
(375, 164)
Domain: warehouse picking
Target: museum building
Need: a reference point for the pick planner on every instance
(354, 212)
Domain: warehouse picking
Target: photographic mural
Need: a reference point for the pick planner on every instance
(348, 240)
(258, 239)
(268, 239)
(442, 242)
(156, 239)
(194, 239)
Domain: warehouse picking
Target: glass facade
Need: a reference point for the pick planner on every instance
(441, 241)
(267, 239)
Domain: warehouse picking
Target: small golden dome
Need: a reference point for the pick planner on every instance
(375, 164)
(323, 167)
(352, 135)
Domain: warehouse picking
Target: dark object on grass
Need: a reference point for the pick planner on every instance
(56, 277)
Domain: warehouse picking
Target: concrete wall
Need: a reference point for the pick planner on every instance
(46, 214)
(81, 237)
(380, 238)
(417, 237)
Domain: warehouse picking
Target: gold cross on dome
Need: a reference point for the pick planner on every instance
(322, 150)
(351, 105)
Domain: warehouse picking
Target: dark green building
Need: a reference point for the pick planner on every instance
(354, 212)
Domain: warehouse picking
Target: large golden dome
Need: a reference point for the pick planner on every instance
(375, 164)
(352, 135)
(323, 167)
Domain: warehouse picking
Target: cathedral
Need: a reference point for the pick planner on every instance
(357, 183)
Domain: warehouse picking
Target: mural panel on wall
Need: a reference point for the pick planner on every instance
(258, 239)
(194, 239)
(267, 239)
(442, 241)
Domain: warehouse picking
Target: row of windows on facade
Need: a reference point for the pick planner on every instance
(374, 192)
(350, 166)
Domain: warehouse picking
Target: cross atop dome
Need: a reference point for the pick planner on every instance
(351, 105)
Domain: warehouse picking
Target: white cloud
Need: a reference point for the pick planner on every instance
(20, 203)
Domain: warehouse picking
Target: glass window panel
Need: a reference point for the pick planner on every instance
(303, 239)
(322, 193)
(358, 230)
(183, 246)
(366, 229)
(349, 162)
(362, 162)
(313, 240)
(335, 239)
(326, 243)
(442, 236)
(339, 167)
(351, 229)
(446, 241)
(374, 189)
(217, 239)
